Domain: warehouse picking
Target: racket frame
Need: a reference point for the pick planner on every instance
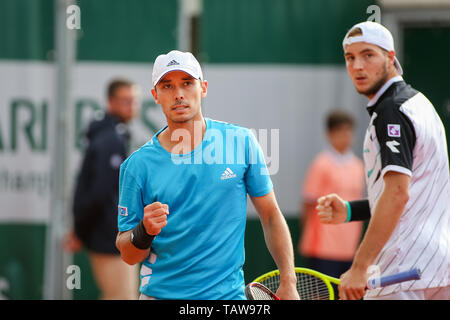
(413, 274)
(260, 286)
(326, 279)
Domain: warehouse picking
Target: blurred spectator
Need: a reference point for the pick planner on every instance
(330, 248)
(97, 193)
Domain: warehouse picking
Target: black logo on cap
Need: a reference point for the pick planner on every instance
(172, 63)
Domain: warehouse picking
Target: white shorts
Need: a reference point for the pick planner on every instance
(438, 293)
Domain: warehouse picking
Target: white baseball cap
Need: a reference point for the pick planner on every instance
(374, 33)
(175, 60)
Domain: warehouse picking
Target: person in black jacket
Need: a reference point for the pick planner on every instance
(96, 194)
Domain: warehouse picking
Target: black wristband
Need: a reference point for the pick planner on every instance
(360, 210)
(140, 238)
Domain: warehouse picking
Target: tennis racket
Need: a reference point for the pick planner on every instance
(313, 285)
(258, 291)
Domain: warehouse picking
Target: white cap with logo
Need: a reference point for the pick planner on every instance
(175, 61)
(374, 33)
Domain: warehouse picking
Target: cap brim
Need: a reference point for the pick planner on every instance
(398, 66)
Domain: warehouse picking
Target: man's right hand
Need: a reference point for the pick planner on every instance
(331, 209)
(155, 217)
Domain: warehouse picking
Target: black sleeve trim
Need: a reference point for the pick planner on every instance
(396, 136)
(360, 210)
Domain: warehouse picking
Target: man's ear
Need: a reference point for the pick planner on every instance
(391, 56)
(204, 85)
(155, 96)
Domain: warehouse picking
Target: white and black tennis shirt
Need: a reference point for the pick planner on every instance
(406, 135)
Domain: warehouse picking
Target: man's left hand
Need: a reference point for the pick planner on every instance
(353, 284)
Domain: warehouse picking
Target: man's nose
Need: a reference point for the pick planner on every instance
(358, 63)
(179, 93)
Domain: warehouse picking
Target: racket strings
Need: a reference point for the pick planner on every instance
(309, 287)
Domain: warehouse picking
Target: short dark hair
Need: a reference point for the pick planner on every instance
(337, 118)
(116, 84)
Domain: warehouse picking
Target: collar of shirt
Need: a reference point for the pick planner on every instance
(383, 89)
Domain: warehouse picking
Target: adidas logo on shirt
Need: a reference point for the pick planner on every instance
(172, 63)
(228, 174)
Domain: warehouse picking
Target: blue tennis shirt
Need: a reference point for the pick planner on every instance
(199, 254)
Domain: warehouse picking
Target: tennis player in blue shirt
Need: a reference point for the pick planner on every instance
(183, 197)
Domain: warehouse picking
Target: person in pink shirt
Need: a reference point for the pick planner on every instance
(330, 248)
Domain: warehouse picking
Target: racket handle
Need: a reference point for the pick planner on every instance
(413, 274)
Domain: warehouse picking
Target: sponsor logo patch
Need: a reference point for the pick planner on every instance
(123, 211)
(393, 130)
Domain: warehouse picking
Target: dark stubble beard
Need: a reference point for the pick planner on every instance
(377, 85)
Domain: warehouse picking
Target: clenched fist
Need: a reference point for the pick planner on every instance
(155, 217)
(331, 209)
